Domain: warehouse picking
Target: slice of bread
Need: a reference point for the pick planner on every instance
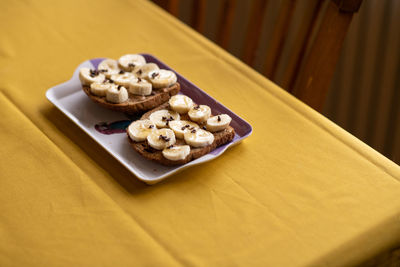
(135, 103)
(144, 149)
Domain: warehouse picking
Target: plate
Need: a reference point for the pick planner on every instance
(106, 127)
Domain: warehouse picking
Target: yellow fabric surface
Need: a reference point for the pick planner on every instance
(299, 191)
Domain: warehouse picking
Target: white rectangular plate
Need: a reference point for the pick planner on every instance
(99, 122)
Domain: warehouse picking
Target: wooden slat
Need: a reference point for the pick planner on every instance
(173, 7)
(359, 92)
(198, 15)
(380, 57)
(350, 6)
(299, 48)
(254, 31)
(279, 36)
(161, 3)
(317, 71)
(225, 23)
(393, 121)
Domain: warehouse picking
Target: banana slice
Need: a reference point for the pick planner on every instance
(116, 94)
(131, 62)
(218, 123)
(108, 67)
(123, 78)
(99, 89)
(161, 138)
(176, 152)
(181, 103)
(198, 138)
(199, 113)
(161, 118)
(162, 78)
(139, 130)
(139, 86)
(144, 70)
(89, 76)
(180, 127)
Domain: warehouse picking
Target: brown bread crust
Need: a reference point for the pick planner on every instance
(136, 104)
(143, 148)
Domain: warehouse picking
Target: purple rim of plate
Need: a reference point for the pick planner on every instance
(242, 128)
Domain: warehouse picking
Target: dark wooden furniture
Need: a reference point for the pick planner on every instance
(310, 65)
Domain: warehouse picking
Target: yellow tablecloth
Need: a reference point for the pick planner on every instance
(299, 191)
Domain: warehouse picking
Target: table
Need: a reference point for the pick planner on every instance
(300, 191)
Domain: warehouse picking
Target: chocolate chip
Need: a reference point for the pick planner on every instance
(155, 74)
(163, 137)
(131, 65)
(121, 72)
(193, 131)
(183, 128)
(139, 80)
(219, 118)
(151, 126)
(93, 73)
(187, 125)
(139, 72)
(164, 118)
(204, 128)
(110, 81)
(149, 150)
(119, 87)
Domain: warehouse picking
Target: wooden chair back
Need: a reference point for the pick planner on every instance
(304, 67)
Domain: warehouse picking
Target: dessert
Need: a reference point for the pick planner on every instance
(129, 84)
(179, 131)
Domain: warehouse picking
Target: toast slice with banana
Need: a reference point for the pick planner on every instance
(179, 131)
(129, 84)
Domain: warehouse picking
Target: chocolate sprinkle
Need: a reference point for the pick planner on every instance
(119, 87)
(193, 131)
(219, 118)
(149, 150)
(151, 126)
(204, 128)
(164, 118)
(139, 72)
(155, 74)
(183, 128)
(139, 80)
(163, 137)
(131, 65)
(121, 72)
(103, 70)
(93, 73)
